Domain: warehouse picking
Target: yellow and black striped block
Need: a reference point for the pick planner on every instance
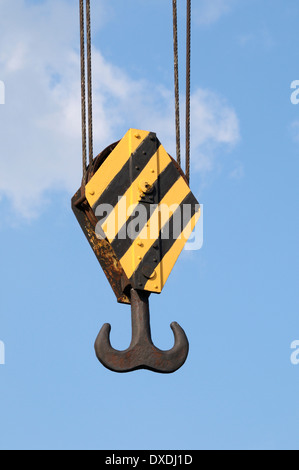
(145, 208)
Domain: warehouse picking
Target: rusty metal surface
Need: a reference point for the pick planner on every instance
(142, 354)
(101, 248)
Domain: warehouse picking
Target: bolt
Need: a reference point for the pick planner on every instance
(147, 271)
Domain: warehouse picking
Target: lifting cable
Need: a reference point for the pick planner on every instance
(176, 80)
(188, 90)
(83, 85)
(188, 85)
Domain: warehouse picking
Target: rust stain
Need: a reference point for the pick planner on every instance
(101, 248)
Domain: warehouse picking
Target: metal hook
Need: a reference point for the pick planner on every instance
(142, 354)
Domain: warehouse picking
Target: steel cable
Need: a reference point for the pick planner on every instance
(83, 90)
(188, 85)
(188, 90)
(176, 81)
(89, 82)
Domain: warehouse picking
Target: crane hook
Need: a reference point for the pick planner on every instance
(142, 354)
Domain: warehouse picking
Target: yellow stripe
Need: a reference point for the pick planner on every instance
(150, 233)
(125, 207)
(113, 164)
(172, 255)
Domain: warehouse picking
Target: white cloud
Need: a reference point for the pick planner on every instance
(209, 11)
(40, 128)
(259, 38)
(215, 124)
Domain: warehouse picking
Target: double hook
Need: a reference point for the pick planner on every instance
(142, 354)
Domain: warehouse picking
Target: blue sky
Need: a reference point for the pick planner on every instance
(237, 298)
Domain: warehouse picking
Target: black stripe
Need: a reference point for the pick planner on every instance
(157, 252)
(163, 184)
(129, 172)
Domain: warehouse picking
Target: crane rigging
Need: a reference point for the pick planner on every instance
(137, 212)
